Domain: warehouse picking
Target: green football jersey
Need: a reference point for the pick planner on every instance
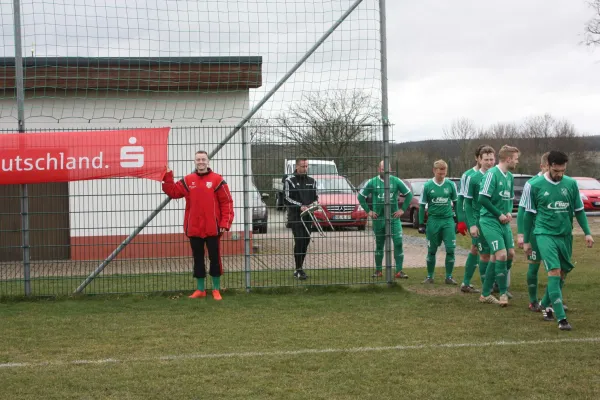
(554, 204)
(523, 201)
(439, 198)
(499, 187)
(473, 186)
(463, 187)
(376, 188)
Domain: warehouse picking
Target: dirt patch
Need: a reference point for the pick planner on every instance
(434, 290)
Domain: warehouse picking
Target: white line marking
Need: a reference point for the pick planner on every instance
(303, 351)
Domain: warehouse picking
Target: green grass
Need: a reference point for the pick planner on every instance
(178, 281)
(137, 330)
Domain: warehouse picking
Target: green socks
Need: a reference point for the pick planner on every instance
(490, 277)
(501, 272)
(532, 281)
(399, 262)
(546, 300)
(449, 263)
(482, 270)
(430, 265)
(470, 267)
(556, 297)
(216, 281)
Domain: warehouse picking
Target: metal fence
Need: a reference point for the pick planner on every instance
(74, 227)
(67, 239)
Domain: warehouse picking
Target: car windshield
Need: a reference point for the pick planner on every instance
(417, 187)
(588, 184)
(338, 185)
(322, 169)
(521, 180)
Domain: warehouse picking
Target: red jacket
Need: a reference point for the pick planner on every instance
(208, 202)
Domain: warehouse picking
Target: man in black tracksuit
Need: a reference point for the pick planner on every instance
(300, 192)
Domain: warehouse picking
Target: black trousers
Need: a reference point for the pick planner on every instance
(214, 254)
(301, 241)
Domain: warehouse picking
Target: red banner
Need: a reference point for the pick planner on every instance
(77, 156)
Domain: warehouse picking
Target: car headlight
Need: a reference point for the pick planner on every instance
(583, 196)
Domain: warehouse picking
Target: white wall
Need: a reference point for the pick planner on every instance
(117, 206)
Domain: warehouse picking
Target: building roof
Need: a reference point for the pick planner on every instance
(171, 74)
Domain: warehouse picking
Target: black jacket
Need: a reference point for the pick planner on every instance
(300, 190)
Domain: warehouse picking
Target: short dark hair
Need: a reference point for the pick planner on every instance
(202, 152)
(478, 149)
(557, 158)
(301, 159)
(486, 150)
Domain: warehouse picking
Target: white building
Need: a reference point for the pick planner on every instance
(201, 99)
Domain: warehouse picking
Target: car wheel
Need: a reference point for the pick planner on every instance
(414, 217)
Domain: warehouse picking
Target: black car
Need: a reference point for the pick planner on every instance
(519, 183)
(260, 213)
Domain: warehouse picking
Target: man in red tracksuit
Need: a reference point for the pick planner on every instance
(208, 213)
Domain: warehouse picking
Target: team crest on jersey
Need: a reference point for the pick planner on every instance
(564, 191)
(500, 184)
(446, 191)
(209, 184)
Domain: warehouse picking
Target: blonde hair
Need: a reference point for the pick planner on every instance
(440, 164)
(544, 160)
(507, 151)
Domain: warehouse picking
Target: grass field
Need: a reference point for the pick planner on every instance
(370, 342)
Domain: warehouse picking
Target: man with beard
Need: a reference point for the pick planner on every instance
(554, 201)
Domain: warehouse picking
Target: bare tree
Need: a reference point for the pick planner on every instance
(592, 28)
(337, 125)
(462, 131)
(500, 131)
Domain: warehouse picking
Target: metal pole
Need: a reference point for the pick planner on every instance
(235, 130)
(247, 206)
(386, 143)
(20, 88)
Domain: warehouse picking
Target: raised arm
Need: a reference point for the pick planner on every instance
(172, 189)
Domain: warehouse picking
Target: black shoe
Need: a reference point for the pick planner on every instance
(564, 325)
(300, 275)
(548, 314)
(535, 307)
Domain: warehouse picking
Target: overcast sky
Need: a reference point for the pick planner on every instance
(490, 61)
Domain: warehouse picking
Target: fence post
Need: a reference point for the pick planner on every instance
(247, 207)
(386, 143)
(21, 121)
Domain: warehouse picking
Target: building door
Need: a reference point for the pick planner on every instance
(49, 226)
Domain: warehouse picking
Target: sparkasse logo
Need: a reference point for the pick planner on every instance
(132, 156)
